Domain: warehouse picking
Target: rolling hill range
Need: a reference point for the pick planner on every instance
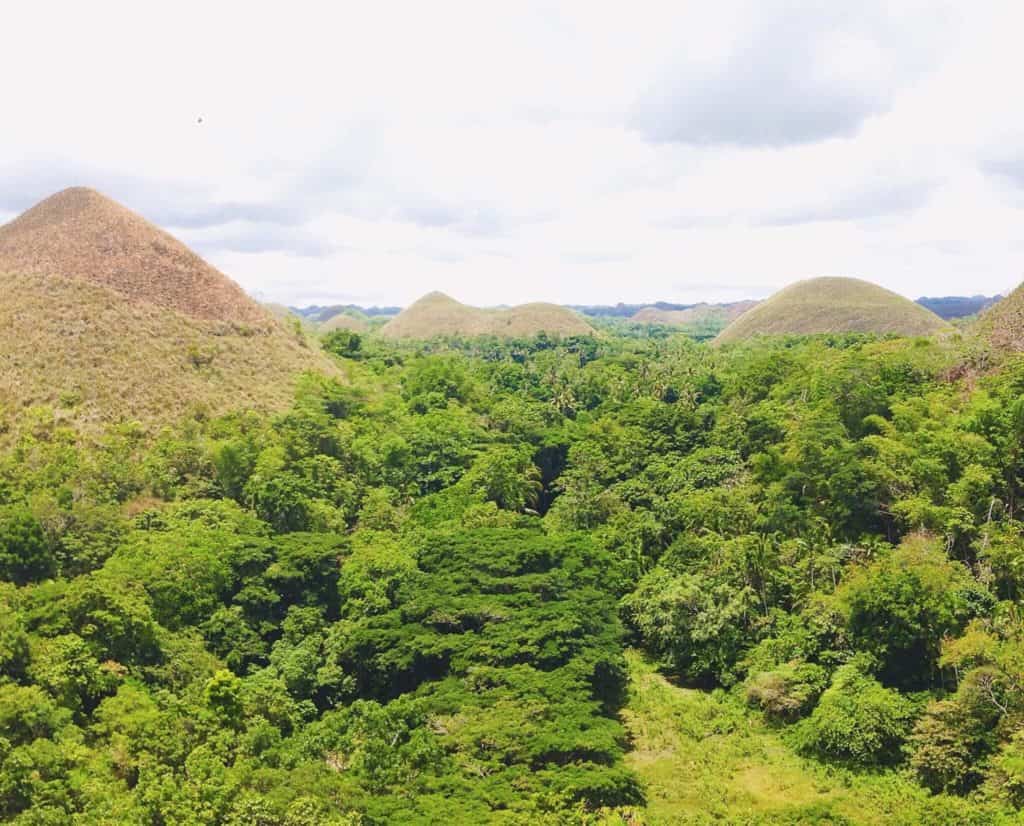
(437, 314)
(723, 313)
(950, 307)
(107, 317)
(1002, 324)
(833, 305)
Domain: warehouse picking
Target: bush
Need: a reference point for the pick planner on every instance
(857, 720)
(786, 692)
(944, 748)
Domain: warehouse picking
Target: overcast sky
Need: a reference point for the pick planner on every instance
(506, 152)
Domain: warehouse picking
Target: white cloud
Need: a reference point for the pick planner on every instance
(563, 151)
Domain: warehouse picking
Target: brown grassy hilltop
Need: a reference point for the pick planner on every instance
(79, 233)
(834, 305)
(108, 318)
(697, 313)
(1002, 324)
(437, 314)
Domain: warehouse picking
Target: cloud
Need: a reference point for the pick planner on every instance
(796, 73)
(1008, 168)
(689, 151)
(468, 219)
(859, 205)
(262, 242)
(202, 215)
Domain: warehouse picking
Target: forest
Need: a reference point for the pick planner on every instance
(427, 593)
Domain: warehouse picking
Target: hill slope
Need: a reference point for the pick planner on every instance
(1002, 324)
(436, 314)
(79, 233)
(109, 318)
(833, 305)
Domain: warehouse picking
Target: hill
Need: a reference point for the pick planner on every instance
(79, 233)
(950, 307)
(621, 310)
(437, 314)
(317, 314)
(723, 313)
(109, 318)
(833, 305)
(345, 321)
(1002, 324)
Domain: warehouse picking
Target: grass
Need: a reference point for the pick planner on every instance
(703, 758)
(834, 305)
(98, 358)
(1002, 324)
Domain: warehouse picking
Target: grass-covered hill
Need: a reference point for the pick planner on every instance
(79, 233)
(833, 305)
(437, 314)
(108, 317)
(1003, 323)
(345, 320)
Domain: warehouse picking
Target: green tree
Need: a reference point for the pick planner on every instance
(24, 553)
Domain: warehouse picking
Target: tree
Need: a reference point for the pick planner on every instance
(344, 343)
(24, 553)
(223, 695)
(697, 627)
(507, 477)
(900, 607)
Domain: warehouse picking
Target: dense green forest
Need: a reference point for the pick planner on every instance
(469, 583)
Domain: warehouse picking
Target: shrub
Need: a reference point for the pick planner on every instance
(857, 720)
(786, 692)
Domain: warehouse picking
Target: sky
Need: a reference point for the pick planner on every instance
(577, 152)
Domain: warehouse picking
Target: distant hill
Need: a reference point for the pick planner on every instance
(698, 313)
(621, 310)
(108, 317)
(833, 305)
(437, 314)
(1002, 324)
(283, 313)
(318, 314)
(957, 306)
(345, 321)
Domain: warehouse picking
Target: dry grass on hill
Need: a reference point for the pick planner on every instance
(79, 233)
(1002, 324)
(437, 314)
(108, 318)
(834, 305)
(98, 358)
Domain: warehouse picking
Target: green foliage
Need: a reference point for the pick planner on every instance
(400, 600)
(918, 596)
(697, 629)
(24, 553)
(344, 343)
(857, 720)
